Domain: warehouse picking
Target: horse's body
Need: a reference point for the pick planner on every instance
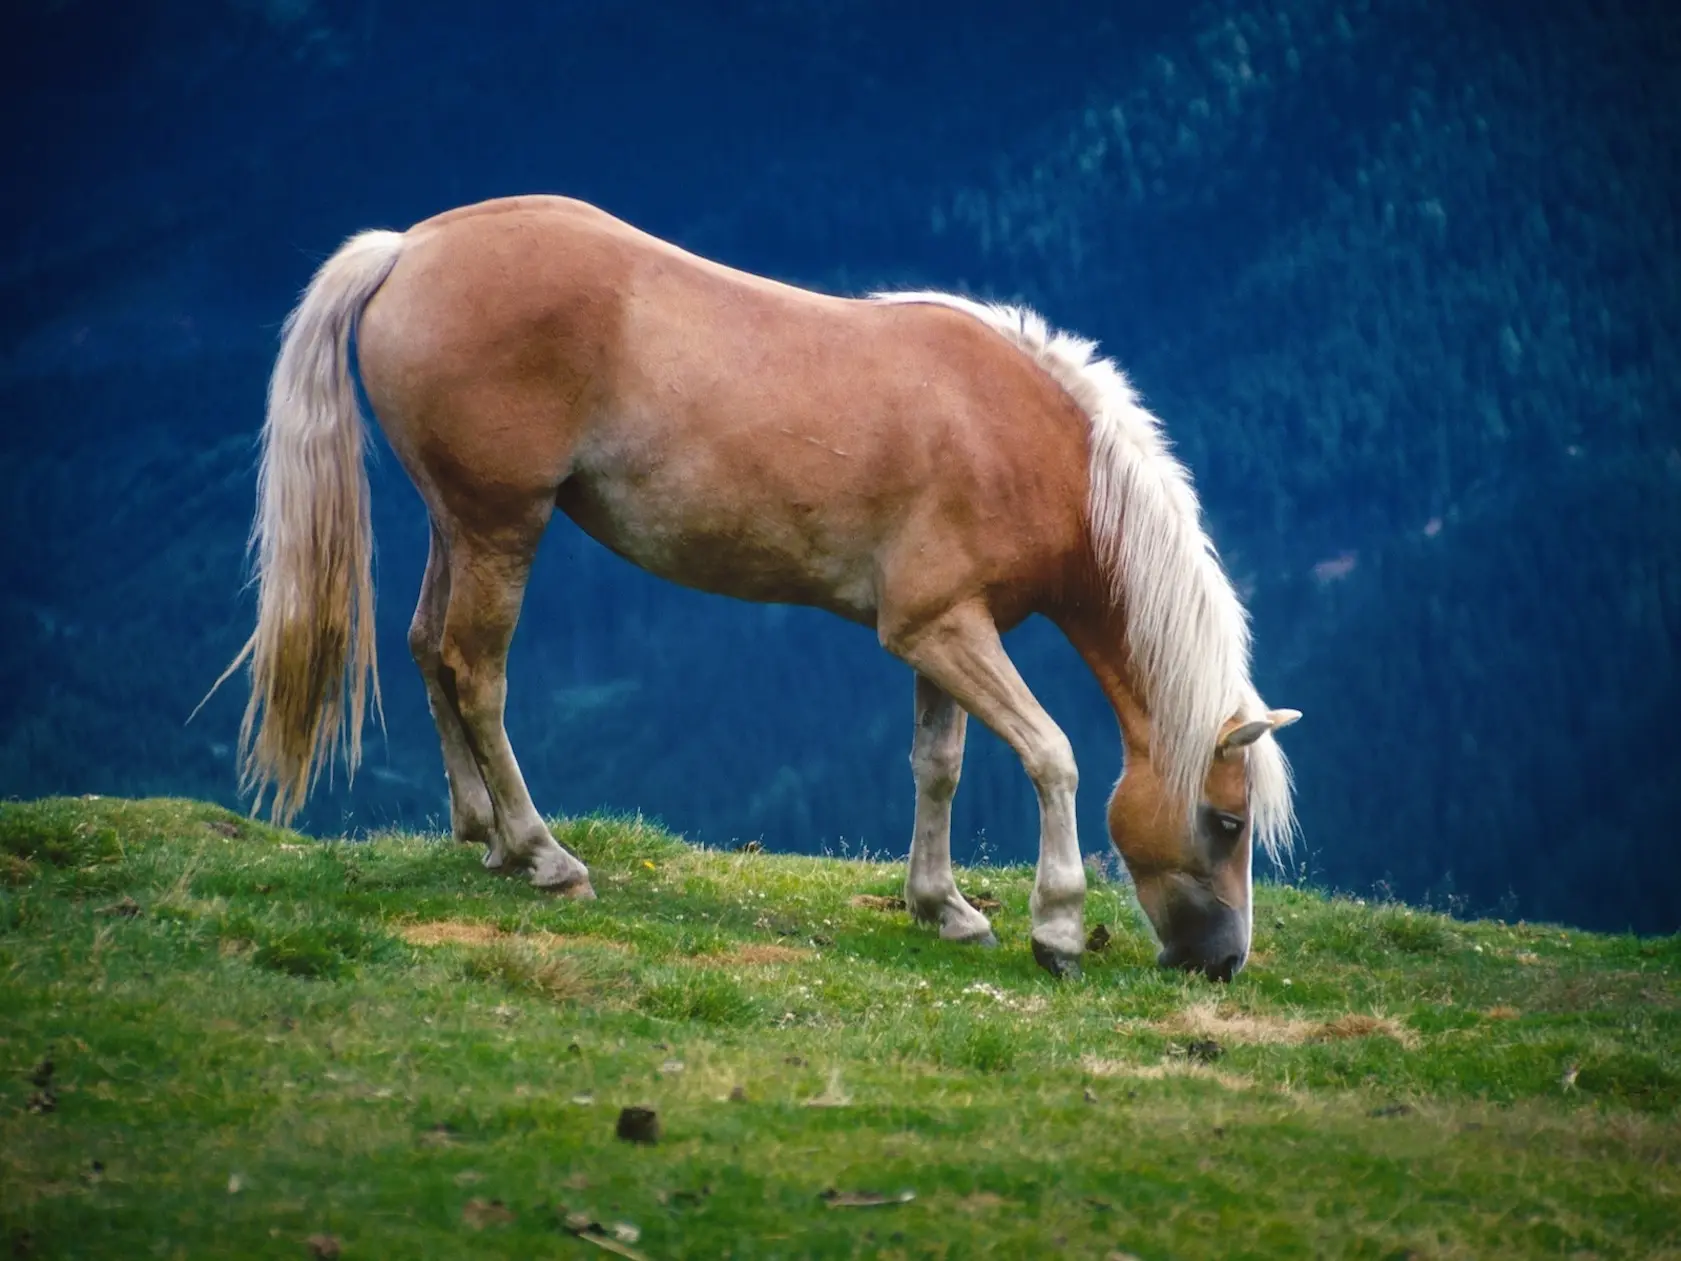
(916, 463)
(658, 378)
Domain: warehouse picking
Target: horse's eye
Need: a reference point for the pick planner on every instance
(1221, 826)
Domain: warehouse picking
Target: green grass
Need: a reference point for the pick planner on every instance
(258, 1038)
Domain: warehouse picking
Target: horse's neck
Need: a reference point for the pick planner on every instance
(1101, 641)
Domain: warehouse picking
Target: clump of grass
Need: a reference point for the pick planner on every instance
(1350, 929)
(625, 841)
(525, 970)
(710, 997)
(15, 870)
(1412, 932)
(53, 832)
(1636, 1079)
(326, 948)
(952, 1037)
(983, 1045)
(301, 953)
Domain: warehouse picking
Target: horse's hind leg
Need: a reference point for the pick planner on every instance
(960, 651)
(472, 818)
(937, 761)
(487, 577)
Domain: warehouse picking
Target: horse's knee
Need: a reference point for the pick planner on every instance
(937, 766)
(424, 645)
(1050, 764)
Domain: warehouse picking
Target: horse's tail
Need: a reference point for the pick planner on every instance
(312, 652)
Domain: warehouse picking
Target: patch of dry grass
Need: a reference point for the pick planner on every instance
(1097, 1066)
(522, 968)
(1207, 1020)
(875, 902)
(754, 954)
(474, 933)
(450, 932)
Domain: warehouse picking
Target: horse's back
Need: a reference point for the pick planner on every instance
(721, 429)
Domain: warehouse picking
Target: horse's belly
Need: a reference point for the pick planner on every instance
(732, 542)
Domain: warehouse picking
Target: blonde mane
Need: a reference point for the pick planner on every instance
(1187, 632)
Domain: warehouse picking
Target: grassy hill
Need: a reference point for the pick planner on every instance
(222, 1039)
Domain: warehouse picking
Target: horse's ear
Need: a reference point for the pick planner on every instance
(1281, 718)
(1240, 735)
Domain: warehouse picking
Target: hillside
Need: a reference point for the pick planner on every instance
(218, 1038)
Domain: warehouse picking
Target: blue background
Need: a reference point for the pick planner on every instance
(1402, 279)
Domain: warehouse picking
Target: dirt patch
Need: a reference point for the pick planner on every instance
(1098, 1067)
(875, 902)
(1206, 1020)
(455, 932)
(755, 954)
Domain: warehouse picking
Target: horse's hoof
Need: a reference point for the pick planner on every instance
(983, 936)
(1061, 965)
(578, 888)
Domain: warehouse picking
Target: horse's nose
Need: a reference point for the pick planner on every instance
(1220, 969)
(1225, 969)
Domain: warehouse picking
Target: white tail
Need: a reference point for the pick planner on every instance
(312, 653)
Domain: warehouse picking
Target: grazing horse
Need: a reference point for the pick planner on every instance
(928, 466)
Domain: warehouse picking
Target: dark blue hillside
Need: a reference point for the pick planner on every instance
(1403, 278)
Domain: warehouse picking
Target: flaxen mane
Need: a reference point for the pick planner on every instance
(1186, 629)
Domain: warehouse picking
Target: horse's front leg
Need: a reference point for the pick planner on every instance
(961, 653)
(931, 892)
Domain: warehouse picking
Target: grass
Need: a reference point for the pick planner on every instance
(263, 1045)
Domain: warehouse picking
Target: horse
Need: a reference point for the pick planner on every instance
(932, 467)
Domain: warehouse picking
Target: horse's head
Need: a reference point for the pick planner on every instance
(1193, 875)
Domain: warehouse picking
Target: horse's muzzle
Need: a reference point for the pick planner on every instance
(1215, 964)
(1203, 934)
